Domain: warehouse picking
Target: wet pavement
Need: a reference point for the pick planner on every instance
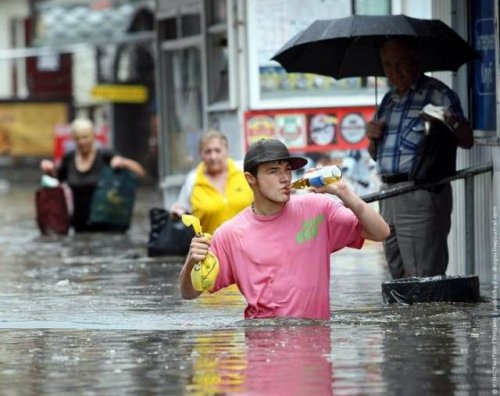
(93, 315)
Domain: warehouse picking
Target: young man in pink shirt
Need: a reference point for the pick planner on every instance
(278, 250)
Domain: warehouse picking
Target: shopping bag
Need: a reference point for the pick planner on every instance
(52, 212)
(167, 236)
(113, 200)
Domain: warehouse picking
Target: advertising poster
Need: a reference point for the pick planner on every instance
(311, 130)
(27, 128)
(291, 129)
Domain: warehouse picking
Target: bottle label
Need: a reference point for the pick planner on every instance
(316, 181)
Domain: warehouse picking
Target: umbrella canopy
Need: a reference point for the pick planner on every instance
(349, 47)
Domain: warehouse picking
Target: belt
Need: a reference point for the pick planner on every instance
(396, 178)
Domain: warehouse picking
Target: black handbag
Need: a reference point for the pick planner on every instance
(167, 237)
(436, 157)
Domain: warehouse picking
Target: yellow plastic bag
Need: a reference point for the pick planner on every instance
(204, 273)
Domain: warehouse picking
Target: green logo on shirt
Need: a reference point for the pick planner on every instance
(309, 229)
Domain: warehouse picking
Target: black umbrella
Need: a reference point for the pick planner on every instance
(349, 47)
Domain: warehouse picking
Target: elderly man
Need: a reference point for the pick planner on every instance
(420, 221)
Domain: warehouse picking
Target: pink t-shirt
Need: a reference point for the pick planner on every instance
(281, 263)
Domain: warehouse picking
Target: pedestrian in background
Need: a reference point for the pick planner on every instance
(80, 169)
(420, 220)
(216, 189)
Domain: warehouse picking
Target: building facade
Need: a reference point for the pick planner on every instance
(94, 56)
(214, 70)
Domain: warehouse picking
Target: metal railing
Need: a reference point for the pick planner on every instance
(468, 175)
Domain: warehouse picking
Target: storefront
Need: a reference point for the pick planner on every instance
(477, 85)
(93, 56)
(215, 71)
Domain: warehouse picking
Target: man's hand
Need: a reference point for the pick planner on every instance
(198, 249)
(462, 129)
(197, 252)
(375, 130)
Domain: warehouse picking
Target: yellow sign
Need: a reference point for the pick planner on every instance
(121, 93)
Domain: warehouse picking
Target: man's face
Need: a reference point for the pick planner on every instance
(214, 155)
(273, 181)
(399, 65)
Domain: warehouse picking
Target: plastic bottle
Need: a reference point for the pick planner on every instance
(319, 178)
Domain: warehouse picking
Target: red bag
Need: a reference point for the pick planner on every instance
(52, 214)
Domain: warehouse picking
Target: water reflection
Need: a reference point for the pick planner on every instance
(92, 314)
(263, 360)
(424, 358)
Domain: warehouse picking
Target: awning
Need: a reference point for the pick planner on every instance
(73, 27)
(47, 50)
(58, 25)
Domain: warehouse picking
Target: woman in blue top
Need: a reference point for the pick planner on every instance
(80, 169)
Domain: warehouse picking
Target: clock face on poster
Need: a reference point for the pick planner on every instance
(322, 127)
(352, 128)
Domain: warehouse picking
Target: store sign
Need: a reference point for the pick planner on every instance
(323, 129)
(291, 129)
(259, 127)
(311, 130)
(121, 93)
(484, 93)
(353, 128)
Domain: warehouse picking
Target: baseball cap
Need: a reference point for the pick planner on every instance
(266, 150)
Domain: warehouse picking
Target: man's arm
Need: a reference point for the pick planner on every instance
(197, 252)
(462, 129)
(374, 226)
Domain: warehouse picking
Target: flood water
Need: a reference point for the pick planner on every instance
(93, 315)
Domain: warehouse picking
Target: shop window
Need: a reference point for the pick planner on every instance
(168, 29)
(190, 25)
(272, 24)
(218, 68)
(216, 12)
(186, 25)
(183, 96)
(217, 52)
(370, 7)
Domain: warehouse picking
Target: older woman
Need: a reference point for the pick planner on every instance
(81, 168)
(216, 189)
